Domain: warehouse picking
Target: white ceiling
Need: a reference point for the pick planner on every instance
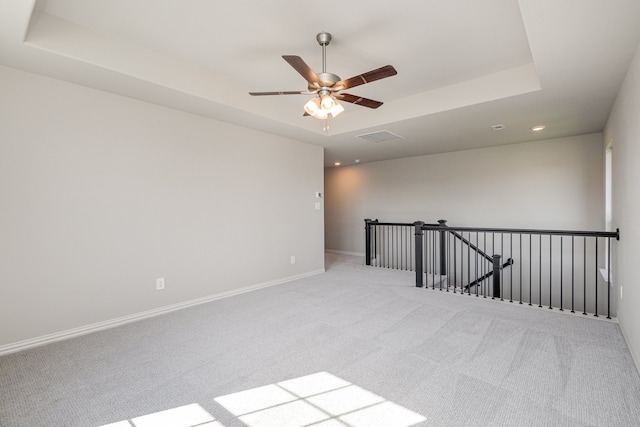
(463, 65)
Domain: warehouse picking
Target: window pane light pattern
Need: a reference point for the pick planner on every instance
(320, 399)
(184, 416)
(316, 400)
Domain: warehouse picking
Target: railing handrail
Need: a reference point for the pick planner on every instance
(615, 234)
(397, 224)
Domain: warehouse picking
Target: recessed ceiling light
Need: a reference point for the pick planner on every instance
(336, 164)
(537, 128)
(357, 160)
(498, 127)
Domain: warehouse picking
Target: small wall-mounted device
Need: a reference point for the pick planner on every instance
(318, 194)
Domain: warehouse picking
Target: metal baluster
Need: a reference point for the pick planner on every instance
(389, 246)
(425, 251)
(540, 273)
(455, 266)
(394, 253)
(530, 268)
(461, 265)
(595, 277)
(375, 243)
(442, 242)
(427, 257)
(425, 254)
(408, 246)
(511, 268)
(383, 251)
(437, 256)
(448, 259)
(405, 249)
(561, 273)
(400, 247)
(485, 283)
(584, 262)
(400, 265)
(396, 235)
(520, 267)
(383, 248)
(493, 251)
(609, 278)
(501, 269)
(396, 247)
(476, 259)
(433, 260)
(408, 249)
(573, 273)
(550, 271)
(469, 264)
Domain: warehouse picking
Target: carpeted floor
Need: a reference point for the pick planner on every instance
(356, 346)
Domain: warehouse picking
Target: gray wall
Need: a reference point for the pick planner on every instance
(623, 129)
(554, 184)
(101, 194)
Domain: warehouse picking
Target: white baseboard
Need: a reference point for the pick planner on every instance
(335, 251)
(635, 357)
(95, 327)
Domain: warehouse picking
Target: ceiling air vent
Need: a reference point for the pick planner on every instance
(380, 136)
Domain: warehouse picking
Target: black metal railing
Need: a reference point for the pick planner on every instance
(390, 244)
(566, 270)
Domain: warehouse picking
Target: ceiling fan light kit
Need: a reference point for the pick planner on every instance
(326, 87)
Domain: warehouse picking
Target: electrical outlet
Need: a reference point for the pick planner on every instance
(159, 283)
(293, 259)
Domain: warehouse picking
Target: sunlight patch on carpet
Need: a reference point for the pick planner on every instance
(183, 416)
(319, 400)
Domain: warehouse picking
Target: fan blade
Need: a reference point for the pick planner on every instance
(292, 92)
(358, 100)
(301, 67)
(368, 77)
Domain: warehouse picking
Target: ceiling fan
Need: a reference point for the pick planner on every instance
(327, 87)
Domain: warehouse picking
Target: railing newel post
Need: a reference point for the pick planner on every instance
(443, 248)
(496, 276)
(367, 241)
(418, 251)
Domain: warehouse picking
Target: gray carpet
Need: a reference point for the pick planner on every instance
(355, 346)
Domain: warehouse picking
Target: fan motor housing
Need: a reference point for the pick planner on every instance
(326, 80)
